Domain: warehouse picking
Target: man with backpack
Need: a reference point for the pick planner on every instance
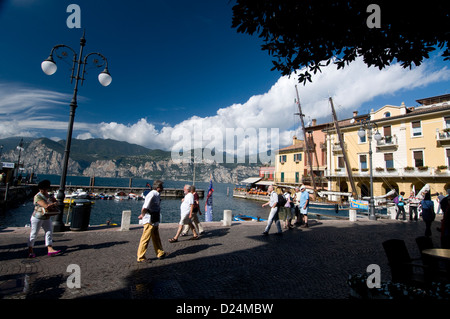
(275, 201)
(400, 205)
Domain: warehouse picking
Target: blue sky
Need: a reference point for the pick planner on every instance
(174, 64)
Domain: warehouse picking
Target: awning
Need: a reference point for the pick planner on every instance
(265, 183)
(251, 180)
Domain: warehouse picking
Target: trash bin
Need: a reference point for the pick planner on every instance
(81, 213)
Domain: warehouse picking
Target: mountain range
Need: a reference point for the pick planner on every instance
(111, 158)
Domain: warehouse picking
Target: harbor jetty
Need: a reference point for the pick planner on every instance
(111, 190)
(13, 195)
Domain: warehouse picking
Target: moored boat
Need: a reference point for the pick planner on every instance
(246, 218)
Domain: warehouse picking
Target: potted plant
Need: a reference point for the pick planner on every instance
(409, 168)
(447, 131)
(440, 167)
(379, 169)
(422, 168)
(391, 169)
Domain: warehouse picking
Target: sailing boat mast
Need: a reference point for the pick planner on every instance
(344, 153)
(307, 145)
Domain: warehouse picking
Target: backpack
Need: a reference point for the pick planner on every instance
(395, 200)
(281, 200)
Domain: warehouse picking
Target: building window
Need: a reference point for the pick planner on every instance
(416, 128)
(341, 162)
(387, 134)
(389, 160)
(363, 161)
(297, 177)
(282, 158)
(418, 158)
(282, 177)
(447, 122)
(297, 157)
(387, 114)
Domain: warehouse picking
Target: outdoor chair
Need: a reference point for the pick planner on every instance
(402, 265)
(432, 269)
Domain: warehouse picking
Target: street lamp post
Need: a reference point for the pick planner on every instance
(49, 67)
(369, 126)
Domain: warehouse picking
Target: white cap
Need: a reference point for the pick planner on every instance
(302, 187)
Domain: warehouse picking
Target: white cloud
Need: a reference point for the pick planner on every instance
(350, 87)
(24, 110)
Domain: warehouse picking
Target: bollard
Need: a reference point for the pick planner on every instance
(126, 219)
(352, 215)
(392, 212)
(226, 218)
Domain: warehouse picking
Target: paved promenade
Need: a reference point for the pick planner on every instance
(227, 262)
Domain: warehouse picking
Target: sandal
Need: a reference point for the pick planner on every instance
(193, 238)
(173, 240)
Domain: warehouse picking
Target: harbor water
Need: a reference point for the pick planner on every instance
(104, 211)
(111, 210)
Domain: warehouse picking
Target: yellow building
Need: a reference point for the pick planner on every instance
(414, 149)
(290, 164)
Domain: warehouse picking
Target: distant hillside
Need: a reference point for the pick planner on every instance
(111, 158)
(90, 150)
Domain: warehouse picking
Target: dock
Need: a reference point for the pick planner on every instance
(111, 190)
(11, 196)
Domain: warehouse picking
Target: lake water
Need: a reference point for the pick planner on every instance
(104, 210)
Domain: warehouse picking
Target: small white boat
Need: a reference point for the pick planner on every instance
(120, 196)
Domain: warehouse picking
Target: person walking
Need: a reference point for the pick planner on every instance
(273, 215)
(151, 217)
(186, 210)
(195, 221)
(428, 214)
(297, 196)
(44, 207)
(401, 206)
(304, 204)
(445, 222)
(289, 210)
(413, 205)
(438, 199)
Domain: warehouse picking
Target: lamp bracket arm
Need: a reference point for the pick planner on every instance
(96, 63)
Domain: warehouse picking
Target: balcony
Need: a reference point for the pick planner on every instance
(336, 148)
(319, 180)
(443, 137)
(387, 142)
(440, 171)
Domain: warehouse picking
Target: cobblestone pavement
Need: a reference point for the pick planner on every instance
(227, 262)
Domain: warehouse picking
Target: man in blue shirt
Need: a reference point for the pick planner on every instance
(304, 203)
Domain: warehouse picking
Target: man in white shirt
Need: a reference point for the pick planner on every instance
(273, 216)
(186, 209)
(151, 216)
